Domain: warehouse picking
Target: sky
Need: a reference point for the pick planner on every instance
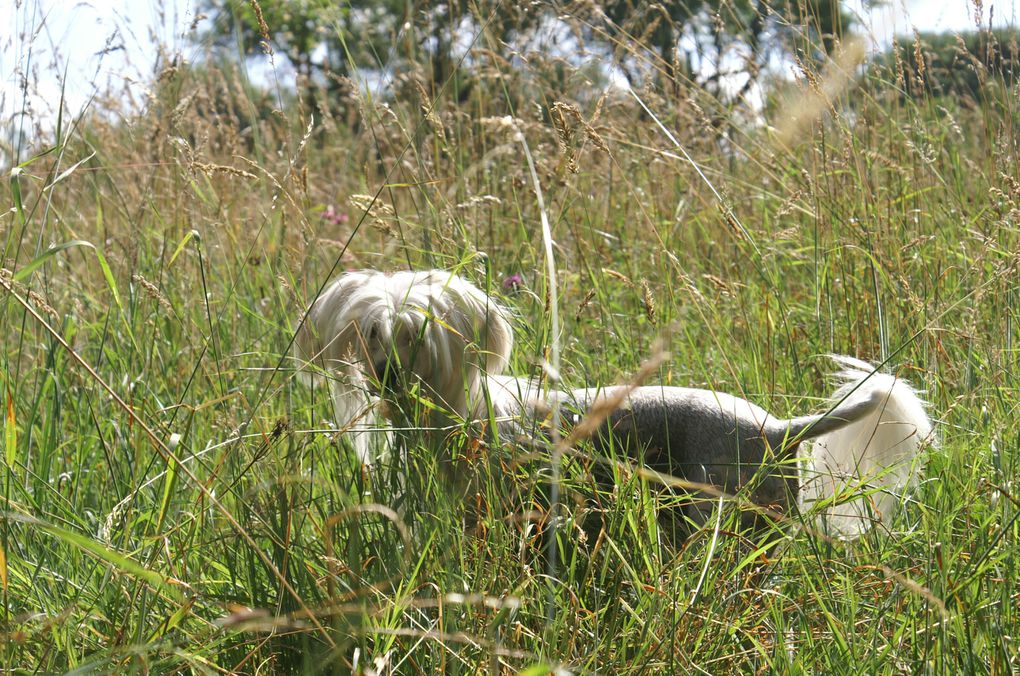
(897, 17)
(117, 42)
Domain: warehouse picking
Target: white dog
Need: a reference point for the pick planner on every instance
(433, 334)
(437, 337)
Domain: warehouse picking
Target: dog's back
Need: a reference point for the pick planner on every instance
(698, 436)
(707, 437)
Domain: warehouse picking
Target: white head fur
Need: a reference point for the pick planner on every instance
(373, 333)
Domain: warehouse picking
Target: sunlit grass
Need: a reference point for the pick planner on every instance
(208, 519)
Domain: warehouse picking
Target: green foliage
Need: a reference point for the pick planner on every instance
(295, 28)
(715, 28)
(325, 40)
(960, 66)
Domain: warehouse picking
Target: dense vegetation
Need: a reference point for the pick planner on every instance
(172, 499)
(968, 67)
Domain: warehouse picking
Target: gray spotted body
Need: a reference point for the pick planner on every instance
(710, 437)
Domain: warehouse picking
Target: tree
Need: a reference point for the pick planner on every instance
(959, 66)
(683, 35)
(322, 39)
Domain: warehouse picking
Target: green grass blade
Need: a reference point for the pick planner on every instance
(169, 483)
(70, 170)
(180, 247)
(10, 429)
(26, 271)
(111, 557)
(15, 182)
(111, 282)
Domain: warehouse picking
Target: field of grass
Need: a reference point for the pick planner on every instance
(172, 499)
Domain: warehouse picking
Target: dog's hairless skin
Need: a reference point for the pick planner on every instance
(435, 333)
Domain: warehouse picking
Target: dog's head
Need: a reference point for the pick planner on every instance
(383, 335)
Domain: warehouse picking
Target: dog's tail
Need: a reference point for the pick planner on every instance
(870, 441)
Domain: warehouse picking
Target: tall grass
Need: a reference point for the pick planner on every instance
(203, 516)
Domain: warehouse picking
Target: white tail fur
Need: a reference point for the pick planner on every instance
(879, 451)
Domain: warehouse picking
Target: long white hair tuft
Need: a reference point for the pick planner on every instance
(880, 452)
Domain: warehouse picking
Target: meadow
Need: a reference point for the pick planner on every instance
(172, 499)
